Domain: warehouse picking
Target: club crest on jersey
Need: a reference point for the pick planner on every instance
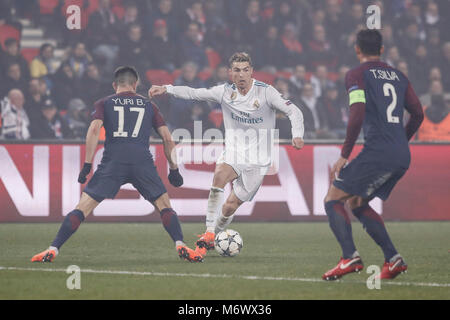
(256, 104)
(233, 95)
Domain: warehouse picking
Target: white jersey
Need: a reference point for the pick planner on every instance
(249, 119)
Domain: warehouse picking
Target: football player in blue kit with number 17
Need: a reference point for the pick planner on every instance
(378, 95)
(128, 119)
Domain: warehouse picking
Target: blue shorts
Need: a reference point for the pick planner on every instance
(110, 176)
(368, 179)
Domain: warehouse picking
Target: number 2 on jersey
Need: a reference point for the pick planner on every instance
(389, 90)
(137, 126)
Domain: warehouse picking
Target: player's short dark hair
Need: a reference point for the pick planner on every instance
(369, 42)
(125, 75)
(240, 57)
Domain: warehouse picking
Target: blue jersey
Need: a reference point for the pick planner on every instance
(385, 91)
(128, 119)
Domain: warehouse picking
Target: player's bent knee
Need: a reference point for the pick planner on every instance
(329, 197)
(334, 194)
(353, 202)
(220, 179)
(162, 202)
(219, 182)
(87, 204)
(356, 202)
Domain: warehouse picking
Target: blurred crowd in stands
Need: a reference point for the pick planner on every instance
(303, 48)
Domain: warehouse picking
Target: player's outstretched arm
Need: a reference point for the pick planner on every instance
(155, 91)
(169, 150)
(91, 145)
(292, 112)
(213, 94)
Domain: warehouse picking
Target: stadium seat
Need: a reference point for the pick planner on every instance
(67, 3)
(283, 74)
(159, 77)
(176, 73)
(213, 58)
(29, 53)
(47, 6)
(93, 5)
(204, 75)
(264, 76)
(333, 76)
(216, 117)
(119, 11)
(6, 32)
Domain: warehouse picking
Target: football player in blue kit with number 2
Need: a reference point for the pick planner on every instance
(378, 95)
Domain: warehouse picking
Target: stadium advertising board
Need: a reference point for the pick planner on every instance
(38, 183)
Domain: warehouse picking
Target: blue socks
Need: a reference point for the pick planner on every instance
(171, 223)
(341, 226)
(374, 226)
(70, 224)
(73, 220)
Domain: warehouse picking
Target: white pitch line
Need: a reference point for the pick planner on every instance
(228, 276)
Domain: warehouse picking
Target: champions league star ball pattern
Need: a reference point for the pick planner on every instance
(228, 243)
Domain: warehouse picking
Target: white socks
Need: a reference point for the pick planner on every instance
(179, 243)
(397, 256)
(215, 201)
(54, 249)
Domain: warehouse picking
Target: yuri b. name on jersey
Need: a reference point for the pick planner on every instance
(128, 101)
(245, 118)
(384, 74)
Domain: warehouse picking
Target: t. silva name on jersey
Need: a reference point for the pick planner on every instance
(384, 74)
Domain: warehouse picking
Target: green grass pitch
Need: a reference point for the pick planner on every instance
(278, 261)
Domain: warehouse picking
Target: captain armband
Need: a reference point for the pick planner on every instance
(356, 96)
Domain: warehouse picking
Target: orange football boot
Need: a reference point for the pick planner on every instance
(45, 256)
(188, 254)
(206, 241)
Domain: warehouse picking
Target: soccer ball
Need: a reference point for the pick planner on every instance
(228, 243)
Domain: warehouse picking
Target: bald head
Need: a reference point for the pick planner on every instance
(16, 97)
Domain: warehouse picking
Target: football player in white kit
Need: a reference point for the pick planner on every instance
(249, 112)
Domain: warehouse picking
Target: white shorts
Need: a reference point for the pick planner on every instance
(249, 178)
